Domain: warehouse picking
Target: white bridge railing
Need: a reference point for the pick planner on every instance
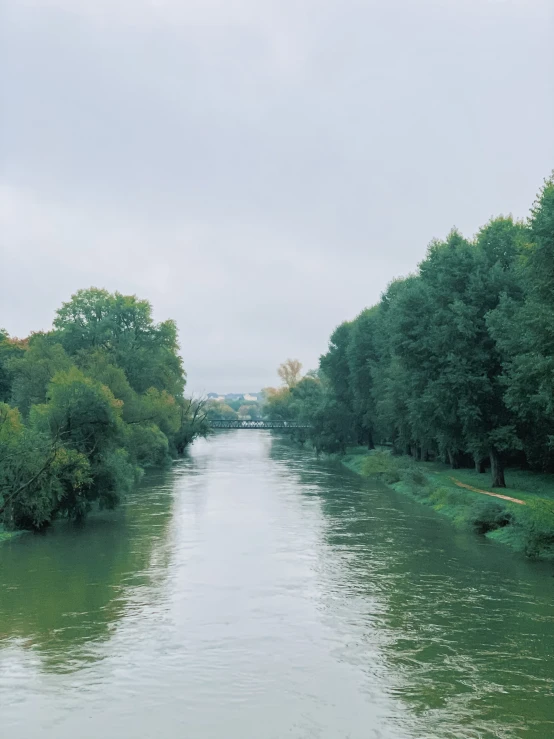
(244, 423)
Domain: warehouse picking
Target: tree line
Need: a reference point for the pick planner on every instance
(455, 362)
(87, 406)
(233, 409)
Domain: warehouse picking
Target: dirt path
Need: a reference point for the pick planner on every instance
(486, 492)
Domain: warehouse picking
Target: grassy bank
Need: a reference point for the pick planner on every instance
(6, 535)
(526, 522)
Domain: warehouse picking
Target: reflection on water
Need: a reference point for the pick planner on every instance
(64, 591)
(252, 591)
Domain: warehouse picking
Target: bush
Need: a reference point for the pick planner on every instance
(148, 445)
(537, 522)
(488, 515)
(382, 465)
(394, 469)
(412, 476)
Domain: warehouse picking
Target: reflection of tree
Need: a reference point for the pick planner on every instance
(463, 625)
(63, 591)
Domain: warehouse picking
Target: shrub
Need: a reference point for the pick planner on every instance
(488, 515)
(412, 476)
(537, 522)
(382, 465)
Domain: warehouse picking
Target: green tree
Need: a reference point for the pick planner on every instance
(218, 409)
(522, 326)
(122, 325)
(98, 398)
(278, 404)
(362, 357)
(36, 473)
(33, 369)
(10, 349)
(86, 417)
(193, 423)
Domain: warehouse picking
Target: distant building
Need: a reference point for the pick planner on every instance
(251, 397)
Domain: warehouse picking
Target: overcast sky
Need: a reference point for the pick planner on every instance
(258, 169)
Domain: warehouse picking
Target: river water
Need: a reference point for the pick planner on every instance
(252, 592)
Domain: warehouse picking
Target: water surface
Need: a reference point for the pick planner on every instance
(252, 592)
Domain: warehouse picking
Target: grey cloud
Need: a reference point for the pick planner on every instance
(260, 171)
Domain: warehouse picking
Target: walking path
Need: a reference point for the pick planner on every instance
(486, 492)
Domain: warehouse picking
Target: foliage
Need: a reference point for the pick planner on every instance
(488, 515)
(33, 370)
(84, 408)
(456, 362)
(10, 349)
(218, 409)
(278, 403)
(122, 326)
(381, 464)
(289, 372)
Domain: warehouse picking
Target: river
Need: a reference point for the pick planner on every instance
(252, 592)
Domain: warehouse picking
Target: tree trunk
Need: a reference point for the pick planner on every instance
(453, 459)
(480, 465)
(424, 455)
(497, 469)
(370, 442)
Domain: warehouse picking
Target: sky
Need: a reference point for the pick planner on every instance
(259, 170)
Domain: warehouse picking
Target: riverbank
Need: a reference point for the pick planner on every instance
(7, 535)
(521, 516)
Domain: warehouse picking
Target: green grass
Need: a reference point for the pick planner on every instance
(519, 483)
(6, 535)
(526, 528)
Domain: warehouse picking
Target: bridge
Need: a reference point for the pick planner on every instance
(247, 423)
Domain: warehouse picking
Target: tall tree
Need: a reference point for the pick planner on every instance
(33, 369)
(362, 356)
(523, 327)
(290, 372)
(122, 325)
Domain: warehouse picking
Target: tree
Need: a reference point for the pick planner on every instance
(122, 326)
(522, 326)
(86, 416)
(334, 364)
(36, 473)
(33, 369)
(289, 372)
(10, 349)
(218, 409)
(423, 369)
(193, 422)
(362, 357)
(278, 404)
(98, 398)
(400, 370)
